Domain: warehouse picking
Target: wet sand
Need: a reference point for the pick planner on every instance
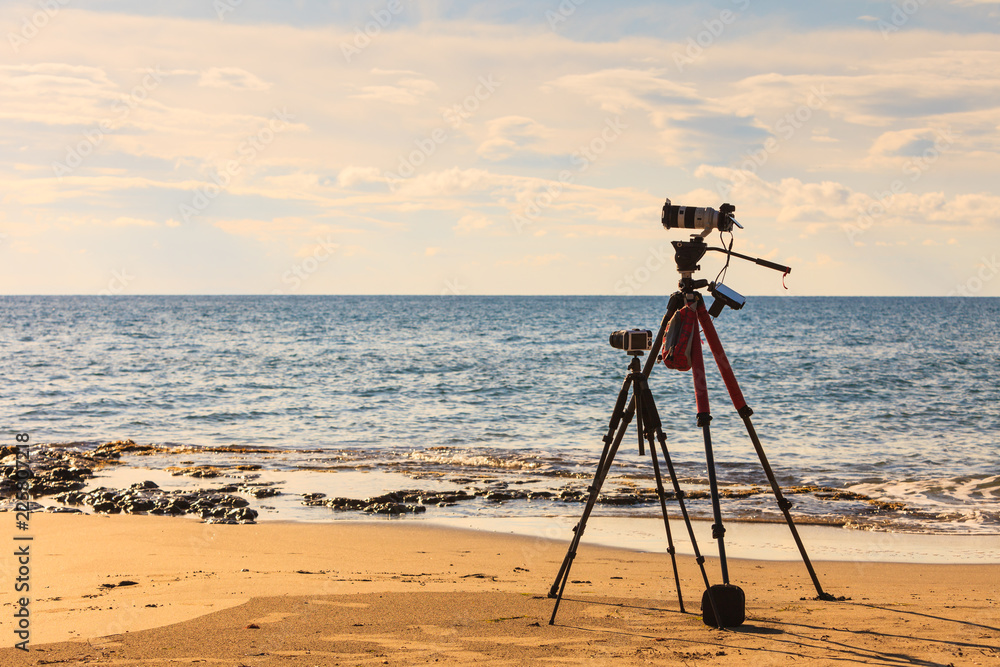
(154, 590)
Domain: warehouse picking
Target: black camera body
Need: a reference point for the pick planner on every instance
(632, 340)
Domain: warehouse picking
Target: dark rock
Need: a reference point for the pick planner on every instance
(214, 500)
(409, 496)
(106, 506)
(242, 514)
(133, 505)
(500, 496)
(214, 512)
(72, 497)
(168, 505)
(346, 503)
(394, 508)
(260, 491)
(119, 447)
(202, 472)
(46, 487)
(313, 499)
(138, 486)
(621, 499)
(101, 495)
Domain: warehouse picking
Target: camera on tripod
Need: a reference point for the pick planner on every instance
(691, 217)
(633, 341)
(678, 346)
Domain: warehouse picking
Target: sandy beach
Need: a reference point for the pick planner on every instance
(153, 590)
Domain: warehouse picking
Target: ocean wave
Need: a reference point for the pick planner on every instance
(449, 456)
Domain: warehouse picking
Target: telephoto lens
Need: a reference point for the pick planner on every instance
(691, 217)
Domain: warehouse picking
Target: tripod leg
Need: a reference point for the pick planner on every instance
(621, 421)
(679, 495)
(653, 418)
(610, 449)
(559, 586)
(612, 439)
(783, 503)
(645, 406)
(704, 419)
(744, 410)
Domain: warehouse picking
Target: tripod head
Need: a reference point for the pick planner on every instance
(687, 254)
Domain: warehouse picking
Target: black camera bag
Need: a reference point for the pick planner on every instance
(731, 603)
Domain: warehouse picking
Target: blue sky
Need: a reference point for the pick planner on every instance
(495, 148)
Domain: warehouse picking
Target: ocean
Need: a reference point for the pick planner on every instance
(879, 414)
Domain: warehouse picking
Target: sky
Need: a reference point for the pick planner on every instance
(461, 148)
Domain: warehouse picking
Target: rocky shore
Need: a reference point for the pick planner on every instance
(64, 473)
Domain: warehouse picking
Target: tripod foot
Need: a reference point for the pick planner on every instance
(826, 597)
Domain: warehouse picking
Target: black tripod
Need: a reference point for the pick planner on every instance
(687, 255)
(648, 426)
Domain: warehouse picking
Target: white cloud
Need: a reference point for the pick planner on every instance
(351, 176)
(508, 135)
(232, 78)
(472, 223)
(407, 90)
(617, 90)
(354, 122)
